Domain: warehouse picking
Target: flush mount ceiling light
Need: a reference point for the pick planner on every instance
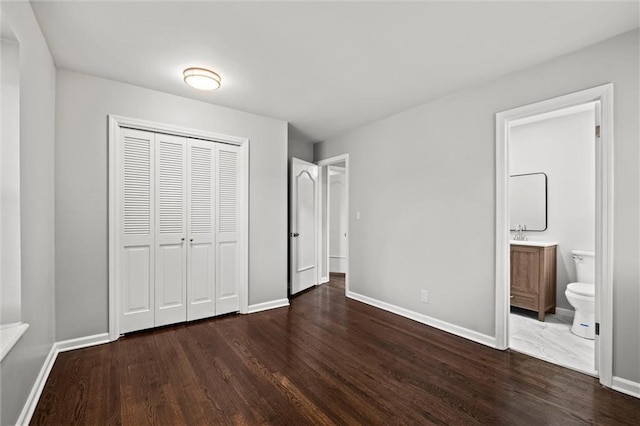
(200, 78)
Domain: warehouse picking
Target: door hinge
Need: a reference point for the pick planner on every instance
(597, 131)
(597, 329)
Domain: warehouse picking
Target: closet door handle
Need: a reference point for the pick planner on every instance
(182, 239)
(191, 239)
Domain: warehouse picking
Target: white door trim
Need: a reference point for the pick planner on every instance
(115, 124)
(328, 162)
(604, 217)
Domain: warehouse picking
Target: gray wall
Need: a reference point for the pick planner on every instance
(301, 150)
(424, 181)
(82, 106)
(37, 96)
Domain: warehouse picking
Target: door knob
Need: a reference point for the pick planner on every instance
(295, 234)
(182, 239)
(191, 239)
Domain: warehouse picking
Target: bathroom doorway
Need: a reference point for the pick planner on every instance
(552, 216)
(561, 151)
(334, 221)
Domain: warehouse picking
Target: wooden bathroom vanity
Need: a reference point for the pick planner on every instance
(533, 276)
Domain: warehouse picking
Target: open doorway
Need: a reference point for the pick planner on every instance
(552, 223)
(334, 223)
(514, 285)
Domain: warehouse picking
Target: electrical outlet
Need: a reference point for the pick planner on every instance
(357, 215)
(424, 296)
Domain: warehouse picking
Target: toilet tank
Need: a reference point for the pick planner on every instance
(585, 265)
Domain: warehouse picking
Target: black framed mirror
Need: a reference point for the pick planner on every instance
(528, 201)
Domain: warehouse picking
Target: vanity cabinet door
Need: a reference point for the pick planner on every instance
(525, 276)
(533, 278)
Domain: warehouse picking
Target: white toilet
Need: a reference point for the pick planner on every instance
(582, 294)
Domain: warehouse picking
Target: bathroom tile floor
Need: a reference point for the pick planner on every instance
(551, 340)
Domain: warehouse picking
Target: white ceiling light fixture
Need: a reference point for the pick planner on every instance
(201, 78)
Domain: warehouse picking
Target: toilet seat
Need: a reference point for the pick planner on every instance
(583, 289)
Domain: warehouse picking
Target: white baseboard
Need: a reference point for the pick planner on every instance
(82, 342)
(323, 280)
(56, 348)
(564, 312)
(626, 386)
(424, 319)
(38, 386)
(258, 307)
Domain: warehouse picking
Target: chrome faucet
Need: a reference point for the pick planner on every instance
(520, 236)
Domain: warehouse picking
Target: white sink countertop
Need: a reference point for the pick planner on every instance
(533, 243)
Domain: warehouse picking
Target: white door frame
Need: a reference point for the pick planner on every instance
(604, 217)
(328, 162)
(115, 124)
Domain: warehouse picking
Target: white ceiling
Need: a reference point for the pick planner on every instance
(323, 67)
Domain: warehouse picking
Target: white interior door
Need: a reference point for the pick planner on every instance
(136, 240)
(228, 254)
(201, 229)
(171, 214)
(304, 225)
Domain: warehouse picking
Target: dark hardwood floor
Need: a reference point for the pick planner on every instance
(324, 360)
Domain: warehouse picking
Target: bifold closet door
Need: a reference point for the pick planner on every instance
(136, 195)
(227, 227)
(179, 254)
(171, 230)
(201, 258)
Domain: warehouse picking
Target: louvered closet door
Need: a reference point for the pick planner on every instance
(201, 229)
(171, 230)
(227, 229)
(136, 251)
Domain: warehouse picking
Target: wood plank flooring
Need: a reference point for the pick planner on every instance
(324, 360)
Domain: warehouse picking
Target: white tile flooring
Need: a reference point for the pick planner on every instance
(551, 340)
